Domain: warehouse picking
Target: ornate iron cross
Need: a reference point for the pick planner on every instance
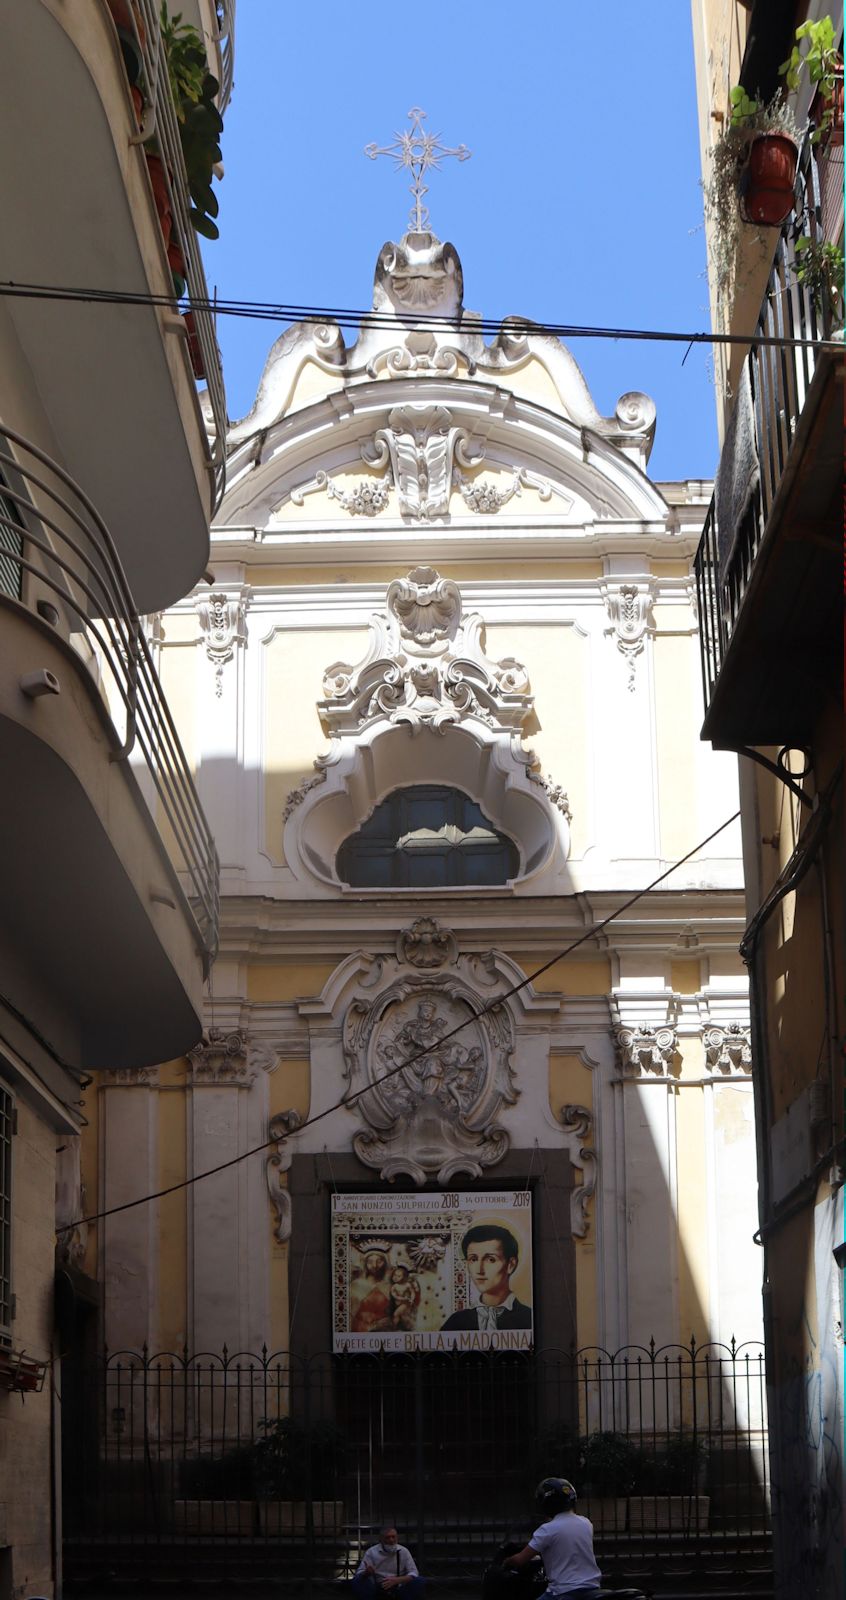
(419, 152)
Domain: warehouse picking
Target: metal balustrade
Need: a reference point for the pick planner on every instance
(226, 43)
(67, 570)
(779, 378)
(162, 126)
(231, 1467)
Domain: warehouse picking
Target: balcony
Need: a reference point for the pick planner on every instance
(111, 384)
(767, 564)
(108, 869)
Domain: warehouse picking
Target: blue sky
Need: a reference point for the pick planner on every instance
(581, 203)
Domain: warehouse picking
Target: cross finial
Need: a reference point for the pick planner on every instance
(419, 152)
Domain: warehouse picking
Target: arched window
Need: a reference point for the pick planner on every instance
(427, 837)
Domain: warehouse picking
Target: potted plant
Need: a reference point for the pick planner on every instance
(668, 1487)
(824, 65)
(194, 90)
(752, 173)
(819, 268)
(292, 1462)
(608, 1467)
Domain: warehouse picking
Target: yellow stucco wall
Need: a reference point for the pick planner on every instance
(294, 663)
(557, 661)
(571, 1083)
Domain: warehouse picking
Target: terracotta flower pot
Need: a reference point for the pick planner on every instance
(194, 349)
(768, 180)
(161, 195)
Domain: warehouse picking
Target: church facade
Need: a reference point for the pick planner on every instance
(441, 702)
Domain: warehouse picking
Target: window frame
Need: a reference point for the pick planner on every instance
(8, 1130)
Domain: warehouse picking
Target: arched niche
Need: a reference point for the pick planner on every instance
(488, 766)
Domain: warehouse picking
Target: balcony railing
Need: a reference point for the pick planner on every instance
(771, 396)
(226, 45)
(59, 561)
(161, 123)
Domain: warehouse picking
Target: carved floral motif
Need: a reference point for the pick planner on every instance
(419, 444)
(221, 1058)
(728, 1049)
(646, 1049)
(629, 611)
(222, 626)
(426, 944)
(279, 1129)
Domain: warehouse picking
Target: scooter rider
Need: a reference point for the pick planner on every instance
(564, 1541)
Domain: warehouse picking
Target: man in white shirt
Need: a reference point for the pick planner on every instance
(387, 1568)
(564, 1542)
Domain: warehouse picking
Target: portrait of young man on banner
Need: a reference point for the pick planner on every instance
(432, 1272)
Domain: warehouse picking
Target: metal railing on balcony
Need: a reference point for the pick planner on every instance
(771, 395)
(60, 562)
(226, 44)
(162, 125)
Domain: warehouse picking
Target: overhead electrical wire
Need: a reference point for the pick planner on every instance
(268, 311)
(348, 1100)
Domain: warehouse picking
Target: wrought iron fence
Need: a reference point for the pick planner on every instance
(249, 1465)
(773, 391)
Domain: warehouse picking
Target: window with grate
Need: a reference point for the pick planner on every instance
(11, 548)
(427, 837)
(7, 1129)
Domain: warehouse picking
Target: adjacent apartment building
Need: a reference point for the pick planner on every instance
(770, 598)
(108, 482)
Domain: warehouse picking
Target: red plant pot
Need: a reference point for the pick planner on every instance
(194, 349)
(161, 195)
(768, 180)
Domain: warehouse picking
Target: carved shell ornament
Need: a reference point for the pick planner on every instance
(426, 605)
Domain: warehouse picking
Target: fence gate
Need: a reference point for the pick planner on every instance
(244, 1466)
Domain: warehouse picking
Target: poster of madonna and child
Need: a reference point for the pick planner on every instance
(449, 1271)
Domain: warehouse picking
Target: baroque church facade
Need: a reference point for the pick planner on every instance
(441, 701)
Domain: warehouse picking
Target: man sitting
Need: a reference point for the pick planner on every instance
(386, 1567)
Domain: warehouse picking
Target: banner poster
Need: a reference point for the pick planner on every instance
(445, 1271)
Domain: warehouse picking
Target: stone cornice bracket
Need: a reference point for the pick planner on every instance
(222, 626)
(629, 607)
(647, 1049)
(279, 1129)
(577, 1122)
(425, 666)
(420, 443)
(728, 1049)
(221, 1058)
(427, 945)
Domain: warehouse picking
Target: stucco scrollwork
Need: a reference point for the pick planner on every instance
(366, 498)
(432, 1099)
(279, 1130)
(222, 627)
(728, 1049)
(645, 1049)
(578, 1123)
(629, 610)
(425, 666)
(420, 443)
(426, 944)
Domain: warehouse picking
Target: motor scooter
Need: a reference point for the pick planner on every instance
(529, 1582)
